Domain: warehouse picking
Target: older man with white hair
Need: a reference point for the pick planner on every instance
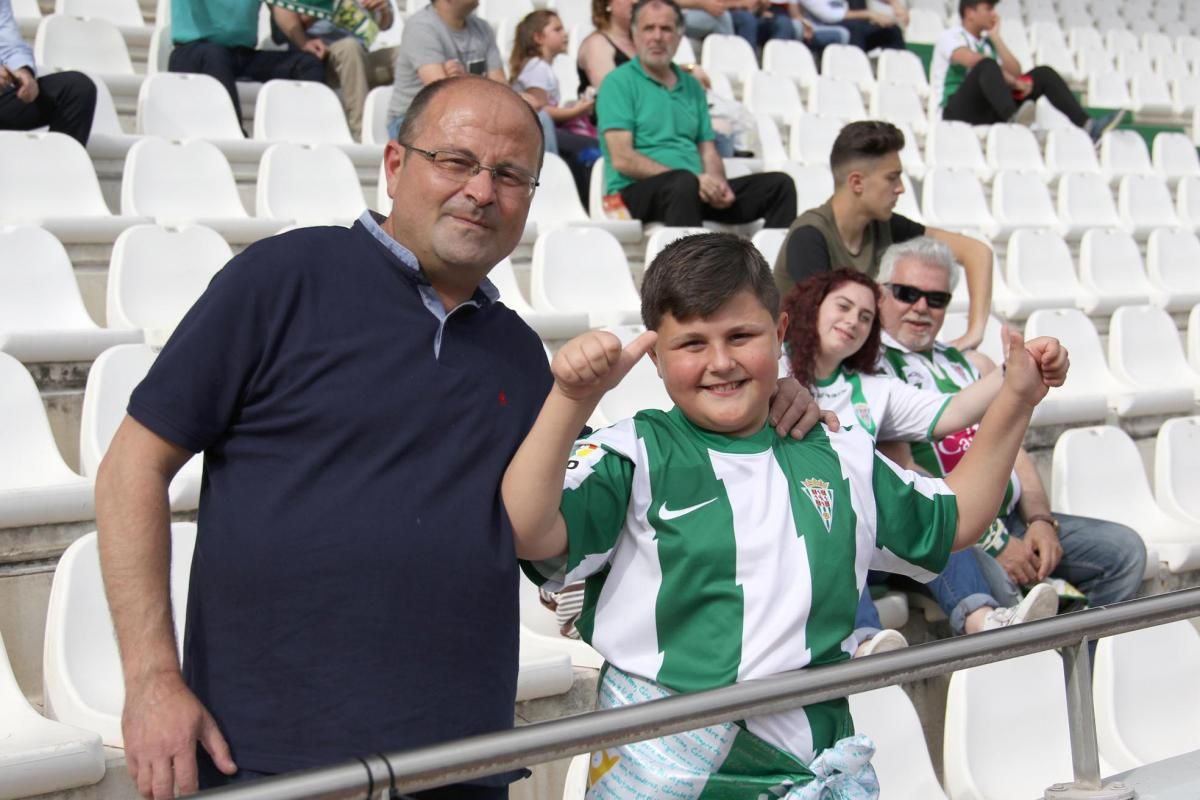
(1104, 560)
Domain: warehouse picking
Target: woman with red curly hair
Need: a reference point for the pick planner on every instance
(833, 348)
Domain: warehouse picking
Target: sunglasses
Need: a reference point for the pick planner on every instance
(911, 294)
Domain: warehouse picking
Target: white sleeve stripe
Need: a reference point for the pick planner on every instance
(928, 487)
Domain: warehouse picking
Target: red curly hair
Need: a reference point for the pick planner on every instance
(802, 305)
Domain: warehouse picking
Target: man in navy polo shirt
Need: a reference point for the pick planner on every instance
(357, 394)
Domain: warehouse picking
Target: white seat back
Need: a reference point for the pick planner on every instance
(849, 63)
(953, 198)
(1111, 271)
(731, 56)
(1187, 201)
(1124, 153)
(556, 201)
(790, 59)
(1070, 150)
(905, 67)
(1174, 156)
(156, 274)
(814, 183)
(92, 45)
(1144, 351)
(836, 97)
(898, 103)
(1021, 200)
(118, 12)
(1145, 203)
(312, 185)
(179, 105)
(954, 145)
(1084, 395)
(38, 290)
(81, 668)
(30, 457)
(984, 705)
(178, 182)
(1039, 272)
(111, 380)
(769, 242)
(1172, 259)
(901, 760)
(665, 236)
(581, 269)
(46, 176)
(1014, 147)
(1177, 467)
(1085, 202)
(374, 121)
(812, 138)
(305, 112)
(766, 94)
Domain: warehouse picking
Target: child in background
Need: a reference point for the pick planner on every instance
(716, 551)
(539, 38)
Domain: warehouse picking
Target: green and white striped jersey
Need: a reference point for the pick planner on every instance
(710, 559)
(943, 369)
(885, 407)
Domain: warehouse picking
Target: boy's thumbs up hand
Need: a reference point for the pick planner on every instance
(592, 363)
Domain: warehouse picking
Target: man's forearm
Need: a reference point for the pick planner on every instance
(633, 164)
(1008, 62)
(976, 260)
(1033, 491)
(289, 22)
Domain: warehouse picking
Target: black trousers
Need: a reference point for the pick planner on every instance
(228, 64)
(984, 97)
(866, 35)
(673, 198)
(66, 102)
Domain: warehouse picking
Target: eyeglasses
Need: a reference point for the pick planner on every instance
(456, 166)
(911, 294)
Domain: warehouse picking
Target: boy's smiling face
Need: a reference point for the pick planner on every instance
(722, 370)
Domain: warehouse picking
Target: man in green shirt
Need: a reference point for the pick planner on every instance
(657, 139)
(219, 37)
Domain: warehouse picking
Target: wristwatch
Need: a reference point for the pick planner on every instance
(1043, 518)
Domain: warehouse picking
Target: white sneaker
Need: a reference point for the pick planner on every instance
(882, 642)
(1040, 603)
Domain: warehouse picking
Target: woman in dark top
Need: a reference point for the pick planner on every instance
(607, 47)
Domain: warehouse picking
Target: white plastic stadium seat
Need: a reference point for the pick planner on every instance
(814, 183)
(1146, 690)
(1089, 463)
(1039, 274)
(107, 139)
(899, 103)
(1173, 267)
(955, 145)
(911, 159)
(1108, 89)
(37, 755)
(1145, 354)
(374, 121)
(1111, 272)
(901, 760)
(538, 624)
(769, 241)
(49, 181)
(190, 182)
(584, 269)
(36, 486)
(924, 26)
(182, 105)
(312, 185)
(836, 97)
(575, 787)
(1187, 202)
(905, 67)
(1084, 203)
(1084, 395)
(1177, 468)
(547, 324)
(90, 45)
(984, 706)
(556, 204)
(731, 56)
(770, 142)
(639, 390)
(1193, 338)
(1021, 200)
(111, 380)
(792, 60)
(1151, 94)
(1124, 153)
(156, 274)
(42, 317)
(953, 199)
(81, 670)
(1070, 150)
(307, 112)
(907, 205)
(122, 13)
(1145, 203)
(778, 99)
(812, 138)
(992, 345)
(848, 63)
(1014, 147)
(1174, 157)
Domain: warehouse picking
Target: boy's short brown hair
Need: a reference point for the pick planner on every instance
(863, 140)
(692, 277)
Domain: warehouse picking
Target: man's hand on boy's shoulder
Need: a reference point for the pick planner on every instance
(794, 411)
(594, 362)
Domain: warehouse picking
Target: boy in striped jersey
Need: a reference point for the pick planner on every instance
(715, 550)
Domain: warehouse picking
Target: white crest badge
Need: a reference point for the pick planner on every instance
(821, 495)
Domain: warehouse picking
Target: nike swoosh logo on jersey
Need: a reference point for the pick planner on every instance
(665, 513)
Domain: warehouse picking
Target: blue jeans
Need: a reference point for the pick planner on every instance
(960, 590)
(1104, 560)
(549, 132)
(698, 23)
(745, 25)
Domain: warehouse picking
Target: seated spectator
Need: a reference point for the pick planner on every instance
(856, 225)
(978, 80)
(808, 22)
(758, 22)
(607, 47)
(1104, 560)
(657, 139)
(870, 29)
(351, 65)
(540, 38)
(66, 101)
(442, 40)
(833, 349)
(219, 39)
(702, 17)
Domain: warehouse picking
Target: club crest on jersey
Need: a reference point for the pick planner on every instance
(914, 376)
(863, 412)
(821, 495)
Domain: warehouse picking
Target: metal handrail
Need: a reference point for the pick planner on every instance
(489, 754)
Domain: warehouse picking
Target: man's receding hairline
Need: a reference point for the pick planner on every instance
(419, 122)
